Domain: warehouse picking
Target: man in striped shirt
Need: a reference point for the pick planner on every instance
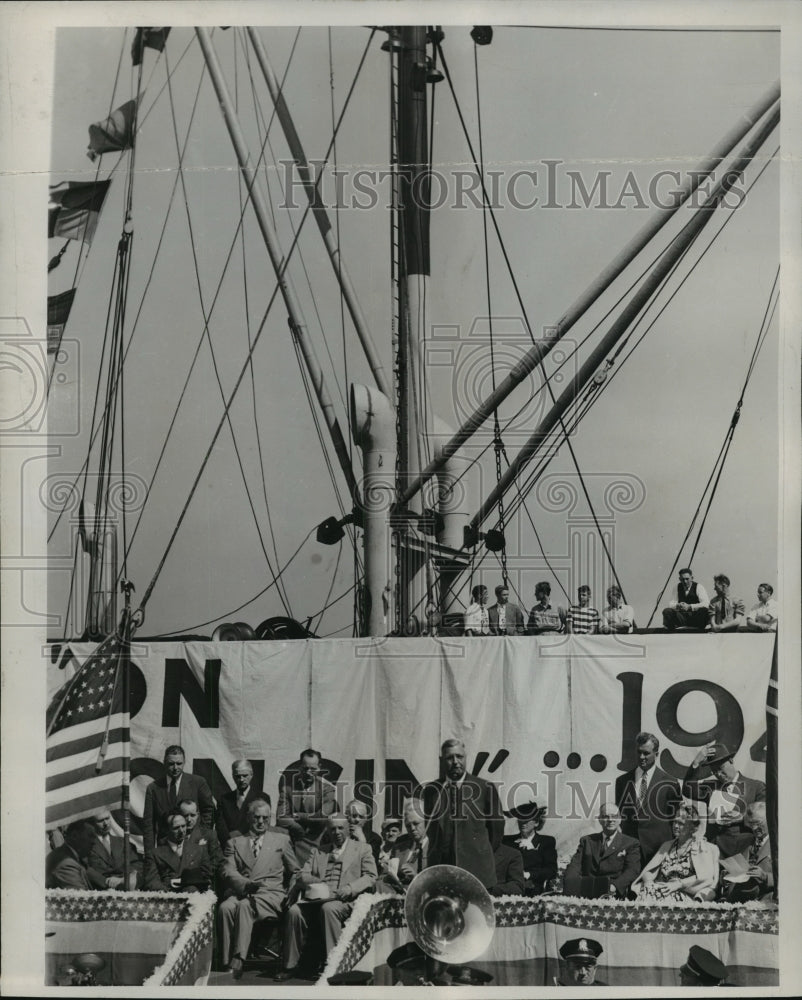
(581, 618)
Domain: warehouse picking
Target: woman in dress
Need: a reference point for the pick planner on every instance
(685, 867)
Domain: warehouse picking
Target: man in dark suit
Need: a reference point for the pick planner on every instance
(538, 851)
(202, 836)
(505, 618)
(647, 797)
(609, 856)
(65, 867)
(713, 779)
(509, 872)
(232, 806)
(466, 823)
(333, 877)
(178, 866)
(164, 794)
(305, 801)
(257, 868)
(106, 856)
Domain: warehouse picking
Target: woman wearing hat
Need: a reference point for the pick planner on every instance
(685, 867)
(539, 852)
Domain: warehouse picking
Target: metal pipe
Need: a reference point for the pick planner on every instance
(541, 348)
(663, 267)
(297, 323)
(320, 213)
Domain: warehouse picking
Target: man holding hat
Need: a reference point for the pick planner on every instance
(702, 968)
(538, 851)
(580, 956)
(713, 779)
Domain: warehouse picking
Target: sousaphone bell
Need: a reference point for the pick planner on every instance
(451, 917)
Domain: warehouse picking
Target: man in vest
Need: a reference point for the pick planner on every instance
(690, 607)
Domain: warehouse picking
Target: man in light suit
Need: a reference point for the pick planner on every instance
(232, 806)
(257, 867)
(65, 867)
(466, 823)
(608, 855)
(410, 853)
(305, 801)
(330, 881)
(178, 866)
(164, 794)
(505, 618)
(647, 797)
(107, 854)
(727, 794)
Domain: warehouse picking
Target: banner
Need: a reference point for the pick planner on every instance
(552, 718)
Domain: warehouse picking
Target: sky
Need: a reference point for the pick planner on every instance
(629, 102)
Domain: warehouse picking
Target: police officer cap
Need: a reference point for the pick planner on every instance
(705, 966)
(585, 948)
(720, 753)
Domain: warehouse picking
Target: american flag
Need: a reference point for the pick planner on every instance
(88, 739)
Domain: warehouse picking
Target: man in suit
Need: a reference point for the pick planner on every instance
(305, 801)
(505, 618)
(178, 866)
(608, 856)
(356, 813)
(164, 794)
(509, 872)
(65, 867)
(232, 806)
(106, 856)
(257, 868)
(647, 797)
(202, 836)
(466, 823)
(713, 779)
(689, 609)
(755, 859)
(538, 851)
(410, 853)
(332, 878)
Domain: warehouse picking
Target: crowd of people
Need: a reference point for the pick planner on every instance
(303, 866)
(689, 609)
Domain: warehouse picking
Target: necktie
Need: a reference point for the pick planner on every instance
(642, 792)
(106, 841)
(256, 846)
(171, 795)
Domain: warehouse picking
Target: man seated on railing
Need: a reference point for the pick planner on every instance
(545, 617)
(177, 865)
(762, 616)
(689, 609)
(477, 620)
(726, 613)
(106, 856)
(66, 866)
(410, 853)
(505, 618)
(333, 877)
(617, 616)
(606, 863)
(257, 868)
(581, 618)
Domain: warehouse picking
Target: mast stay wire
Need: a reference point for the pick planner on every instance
(718, 465)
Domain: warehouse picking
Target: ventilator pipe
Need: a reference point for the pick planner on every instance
(373, 430)
(452, 499)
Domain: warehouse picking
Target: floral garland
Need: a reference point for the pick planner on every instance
(195, 933)
(363, 905)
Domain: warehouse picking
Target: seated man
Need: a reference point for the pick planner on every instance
(617, 616)
(581, 618)
(178, 866)
(505, 618)
(391, 831)
(689, 609)
(202, 836)
(610, 859)
(544, 617)
(256, 870)
(477, 620)
(410, 853)
(330, 881)
(356, 813)
(163, 795)
(538, 851)
(763, 616)
(754, 861)
(106, 856)
(726, 613)
(509, 872)
(305, 801)
(65, 867)
(713, 778)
